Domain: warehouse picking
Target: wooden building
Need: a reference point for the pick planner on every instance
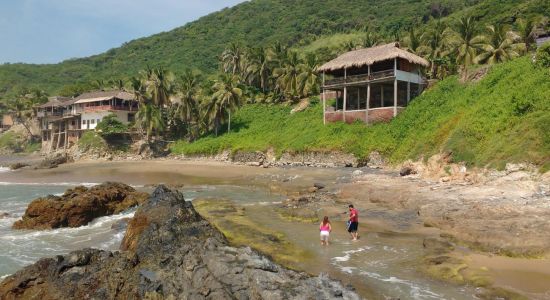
(6, 122)
(372, 84)
(62, 120)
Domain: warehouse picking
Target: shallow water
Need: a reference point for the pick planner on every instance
(379, 265)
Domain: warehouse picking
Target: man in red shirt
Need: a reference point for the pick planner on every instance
(353, 223)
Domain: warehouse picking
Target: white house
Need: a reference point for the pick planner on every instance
(94, 106)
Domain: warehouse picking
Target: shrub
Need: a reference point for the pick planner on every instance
(91, 140)
(543, 55)
(110, 125)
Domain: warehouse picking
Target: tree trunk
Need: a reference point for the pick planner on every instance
(229, 122)
(20, 120)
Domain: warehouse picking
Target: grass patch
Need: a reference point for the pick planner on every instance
(504, 117)
(16, 143)
(91, 140)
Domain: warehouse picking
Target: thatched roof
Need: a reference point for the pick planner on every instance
(104, 95)
(54, 101)
(369, 56)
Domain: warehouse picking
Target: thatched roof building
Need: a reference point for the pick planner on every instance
(369, 56)
(104, 95)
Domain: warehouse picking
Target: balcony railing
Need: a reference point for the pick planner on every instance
(360, 78)
(109, 107)
(42, 114)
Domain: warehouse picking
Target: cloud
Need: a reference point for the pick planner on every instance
(39, 31)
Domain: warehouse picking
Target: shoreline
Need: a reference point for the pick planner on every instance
(444, 205)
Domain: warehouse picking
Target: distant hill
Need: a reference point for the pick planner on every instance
(258, 22)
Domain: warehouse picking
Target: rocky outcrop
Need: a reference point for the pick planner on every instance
(18, 165)
(54, 161)
(79, 206)
(172, 253)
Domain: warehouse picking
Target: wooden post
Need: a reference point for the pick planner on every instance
(395, 87)
(368, 102)
(345, 95)
(358, 98)
(381, 96)
(408, 92)
(324, 101)
(345, 103)
(58, 136)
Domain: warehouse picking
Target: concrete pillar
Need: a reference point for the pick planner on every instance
(408, 92)
(395, 97)
(395, 87)
(368, 102)
(345, 103)
(324, 101)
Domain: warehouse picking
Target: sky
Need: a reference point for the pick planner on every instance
(50, 31)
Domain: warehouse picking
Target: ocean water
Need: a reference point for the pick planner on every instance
(19, 248)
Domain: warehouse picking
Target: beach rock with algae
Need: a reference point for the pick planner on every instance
(79, 206)
(171, 252)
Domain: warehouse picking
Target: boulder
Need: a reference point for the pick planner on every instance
(406, 171)
(79, 206)
(53, 161)
(4, 215)
(319, 185)
(171, 252)
(18, 165)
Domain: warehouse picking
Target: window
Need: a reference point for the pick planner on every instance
(83, 122)
(131, 118)
(92, 121)
(98, 120)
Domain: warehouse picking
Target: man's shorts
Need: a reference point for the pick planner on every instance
(353, 226)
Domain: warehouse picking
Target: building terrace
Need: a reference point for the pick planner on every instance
(62, 120)
(372, 84)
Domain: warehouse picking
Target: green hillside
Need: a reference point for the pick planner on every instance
(505, 117)
(258, 22)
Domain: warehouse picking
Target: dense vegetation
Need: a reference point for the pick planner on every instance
(503, 117)
(267, 51)
(256, 23)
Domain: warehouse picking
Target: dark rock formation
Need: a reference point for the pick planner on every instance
(4, 215)
(54, 161)
(18, 165)
(406, 171)
(79, 206)
(172, 253)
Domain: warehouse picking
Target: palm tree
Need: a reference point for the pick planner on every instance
(149, 117)
(433, 46)
(370, 40)
(309, 78)
(260, 67)
(527, 31)
(287, 75)
(348, 46)
(232, 59)
(138, 88)
(21, 110)
(413, 40)
(499, 46)
(160, 86)
(99, 84)
(117, 84)
(188, 89)
(466, 41)
(227, 96)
